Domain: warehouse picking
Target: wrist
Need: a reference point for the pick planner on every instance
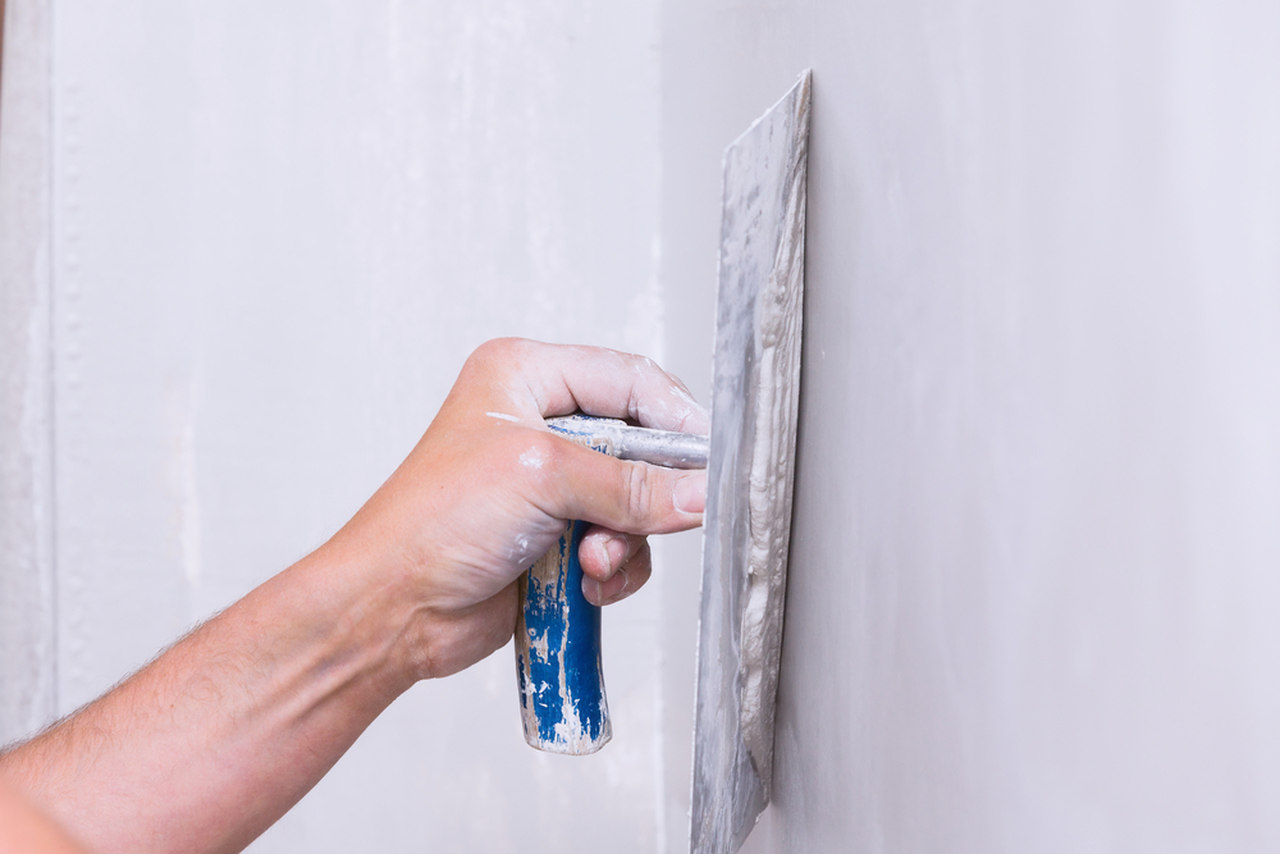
(370, 614)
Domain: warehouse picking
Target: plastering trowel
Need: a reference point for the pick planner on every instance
(755, 395)
(755, 388)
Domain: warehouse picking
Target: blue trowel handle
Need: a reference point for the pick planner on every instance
(562, 699)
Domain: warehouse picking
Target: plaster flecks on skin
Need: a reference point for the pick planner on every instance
(674, 414)
(533, 459)
(522, 551)
(503, 417)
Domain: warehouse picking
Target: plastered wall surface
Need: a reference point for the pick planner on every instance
(274, 233)
(27, 617)
(1032, 596)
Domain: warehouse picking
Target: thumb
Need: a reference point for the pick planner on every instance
(625, 496)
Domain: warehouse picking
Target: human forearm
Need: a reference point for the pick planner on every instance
(207, 746)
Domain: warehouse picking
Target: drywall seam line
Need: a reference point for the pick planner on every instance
(51, 399)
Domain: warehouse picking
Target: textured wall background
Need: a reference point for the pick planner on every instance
(276, 232)
(28, 670)
(1032, 591)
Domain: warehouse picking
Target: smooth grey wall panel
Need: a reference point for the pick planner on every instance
(1032, 595)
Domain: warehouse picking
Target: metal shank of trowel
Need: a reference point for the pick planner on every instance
(644, 444)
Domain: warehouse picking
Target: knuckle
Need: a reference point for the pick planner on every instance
(638, 489)
(639, 565)
(499, 350)
(553, 452)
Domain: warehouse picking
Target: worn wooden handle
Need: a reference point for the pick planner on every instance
(562, 699)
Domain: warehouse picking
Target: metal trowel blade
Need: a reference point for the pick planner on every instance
(755, 390)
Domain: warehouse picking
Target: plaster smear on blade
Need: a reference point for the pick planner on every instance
(778, 317)
(755, 390)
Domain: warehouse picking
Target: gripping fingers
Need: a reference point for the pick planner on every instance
(625, 576)
(548, 379)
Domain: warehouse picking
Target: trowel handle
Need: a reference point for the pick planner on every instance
(562, 699)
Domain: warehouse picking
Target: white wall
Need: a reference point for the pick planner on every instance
(27, 617)
(277, 230)
(1033, 592)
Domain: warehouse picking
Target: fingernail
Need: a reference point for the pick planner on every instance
(615, 588)
(593, 590)
(604, 556)
(690, 494)
(610, 552)
(616, 550)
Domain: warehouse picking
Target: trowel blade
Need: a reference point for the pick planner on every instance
(755, 389)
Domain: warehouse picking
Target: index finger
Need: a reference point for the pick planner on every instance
(549, 379)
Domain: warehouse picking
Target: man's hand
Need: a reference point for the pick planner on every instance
(488, 488)
(207, 746)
